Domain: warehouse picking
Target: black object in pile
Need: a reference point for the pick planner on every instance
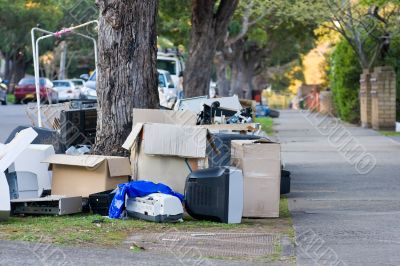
(285, 182)
(45, 136)
(78, 127)
(207, 194)
(220, 154)
(100, 202)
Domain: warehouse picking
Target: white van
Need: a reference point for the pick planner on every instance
(171, 63)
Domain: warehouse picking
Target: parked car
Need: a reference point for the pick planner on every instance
(172, 63)
(26, 91)
(88, 91)
(3, 92)
(79, 83)
(66, 90)
(166, 89)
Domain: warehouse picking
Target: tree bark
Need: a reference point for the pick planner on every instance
(209, 28)
(223, 83)
(127, 72)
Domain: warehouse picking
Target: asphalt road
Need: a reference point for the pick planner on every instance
(19, 253)
(345, 211)
(11, 116)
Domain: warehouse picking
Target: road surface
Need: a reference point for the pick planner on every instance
(11, 116)
(345, 211)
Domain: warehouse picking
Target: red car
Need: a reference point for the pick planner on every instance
(26, 91)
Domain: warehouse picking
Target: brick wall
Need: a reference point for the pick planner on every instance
(383, 98)
(365, 99)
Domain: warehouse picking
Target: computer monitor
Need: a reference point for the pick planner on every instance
(215, 194)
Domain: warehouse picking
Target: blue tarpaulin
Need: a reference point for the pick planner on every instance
(137, 189)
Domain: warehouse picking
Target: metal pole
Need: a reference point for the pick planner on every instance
(36, 70)
(35, 50)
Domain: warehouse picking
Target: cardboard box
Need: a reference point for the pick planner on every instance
(170, 140)
(260, 161)
(87, 174)
(184, 117)
(169, 170)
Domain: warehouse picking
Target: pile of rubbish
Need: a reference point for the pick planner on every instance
(206, 158)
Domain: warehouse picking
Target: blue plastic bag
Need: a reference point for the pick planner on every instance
(137, 189)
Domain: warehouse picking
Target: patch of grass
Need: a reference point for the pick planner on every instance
(10, 98)
(266, 124)
(390, 133)
(80, 230)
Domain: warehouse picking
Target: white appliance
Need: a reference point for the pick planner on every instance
(31, 161)
(156, 207)
(8, 153)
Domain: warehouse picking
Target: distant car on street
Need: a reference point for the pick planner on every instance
(172, 63)
(79, 83)
(66, 90)
(26, 91)
(3, 92)
(166, 89)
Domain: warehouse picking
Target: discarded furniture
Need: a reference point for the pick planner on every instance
(50, 205)
(8, 154)
(156, 207)
(215, 194)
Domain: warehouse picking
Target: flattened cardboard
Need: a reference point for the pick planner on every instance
(184, 117)
(173, 140)
(87, 174)
(130, 141)
(260, 161)
(170, 140)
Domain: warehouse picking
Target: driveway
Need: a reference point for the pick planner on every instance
(345, 198)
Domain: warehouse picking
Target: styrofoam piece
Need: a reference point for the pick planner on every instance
(31, 161)
(8, 154)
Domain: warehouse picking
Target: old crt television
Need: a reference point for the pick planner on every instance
(215, 194)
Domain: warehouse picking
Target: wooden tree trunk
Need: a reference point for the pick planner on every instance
(127, 72)
(223, 83)
(209, 26)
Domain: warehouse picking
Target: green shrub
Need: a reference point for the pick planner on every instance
(344, 78)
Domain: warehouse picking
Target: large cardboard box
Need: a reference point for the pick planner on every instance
(169, 170)
(87, 174)
(165, 152)
(260, 161)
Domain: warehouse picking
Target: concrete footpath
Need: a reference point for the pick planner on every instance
(345, 198)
